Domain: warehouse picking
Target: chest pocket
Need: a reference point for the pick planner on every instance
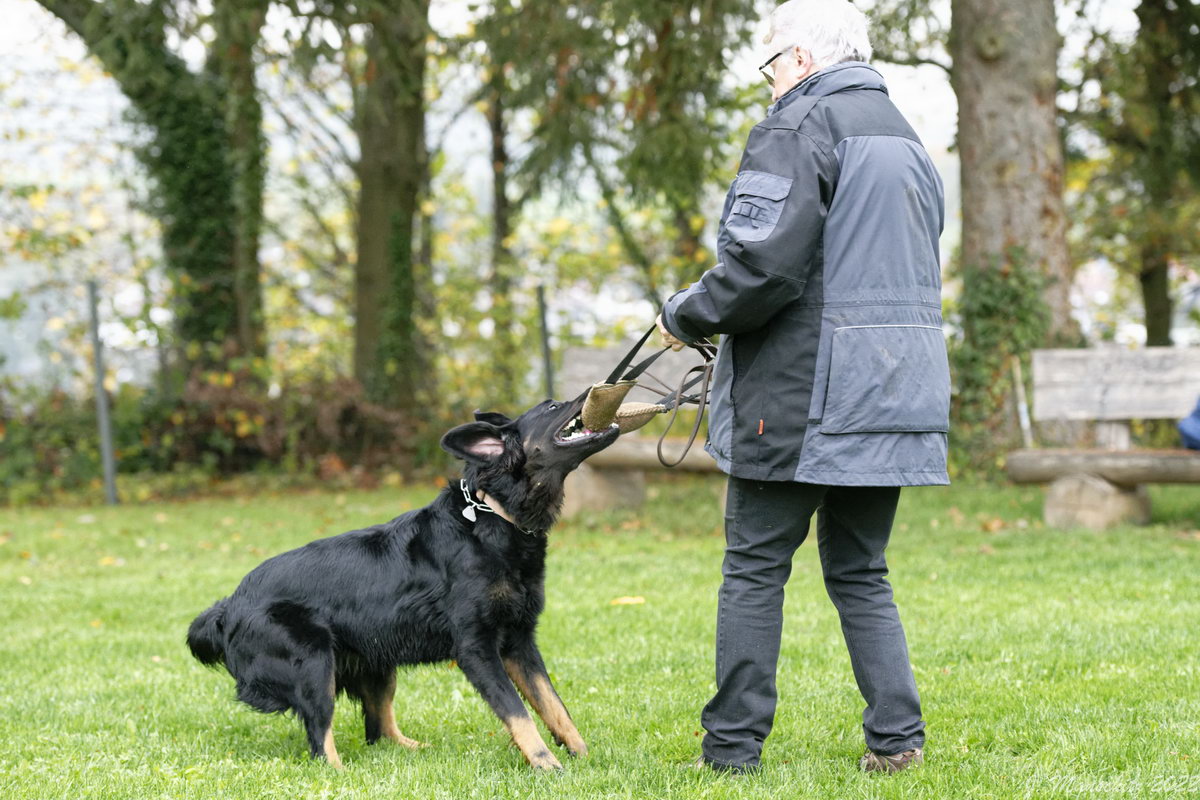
(757, 205)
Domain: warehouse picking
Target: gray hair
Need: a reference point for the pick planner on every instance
(831, 30)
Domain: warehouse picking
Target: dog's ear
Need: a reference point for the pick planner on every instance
(494, 417)
(480, 442)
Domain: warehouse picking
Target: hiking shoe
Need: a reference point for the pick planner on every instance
(877, 762)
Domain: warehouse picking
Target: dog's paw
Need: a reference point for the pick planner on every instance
(573, 744)
(544, 760)
(411, 744)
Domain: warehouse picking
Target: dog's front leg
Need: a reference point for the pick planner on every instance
(481, 664)
(525, 666)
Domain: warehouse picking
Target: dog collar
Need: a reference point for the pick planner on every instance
(474, 504)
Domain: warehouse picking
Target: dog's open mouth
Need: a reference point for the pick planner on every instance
(574, 432)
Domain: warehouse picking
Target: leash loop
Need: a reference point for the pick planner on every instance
(705, 376)
(699, 374)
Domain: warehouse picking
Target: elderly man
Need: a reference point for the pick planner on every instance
(832, 387)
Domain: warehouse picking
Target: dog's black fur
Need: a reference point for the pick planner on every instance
(340, 614)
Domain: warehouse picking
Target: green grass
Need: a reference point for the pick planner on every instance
(1051, 663)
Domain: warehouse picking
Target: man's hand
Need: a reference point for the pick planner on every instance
(667, 339)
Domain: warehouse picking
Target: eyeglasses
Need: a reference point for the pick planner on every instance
(770, 74)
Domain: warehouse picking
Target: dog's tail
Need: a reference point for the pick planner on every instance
(206, 635)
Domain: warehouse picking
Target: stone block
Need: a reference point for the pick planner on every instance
(592, 489)
(1089, 501)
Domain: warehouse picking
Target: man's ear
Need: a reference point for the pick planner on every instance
(480, 442)
(494, 417)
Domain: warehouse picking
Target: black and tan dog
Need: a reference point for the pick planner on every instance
(460, 579)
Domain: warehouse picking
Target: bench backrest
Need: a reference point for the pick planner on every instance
(584, 366)
(1115, 384)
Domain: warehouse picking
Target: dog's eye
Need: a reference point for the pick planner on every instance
(553, 407)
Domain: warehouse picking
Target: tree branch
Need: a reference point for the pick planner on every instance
(631, 245)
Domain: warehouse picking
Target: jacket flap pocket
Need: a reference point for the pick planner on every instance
(887, 379)
(763, 184)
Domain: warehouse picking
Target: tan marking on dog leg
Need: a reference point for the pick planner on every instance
(527, 739)
(549, 707)
(387, 719)
(556, 716)
(331, 753)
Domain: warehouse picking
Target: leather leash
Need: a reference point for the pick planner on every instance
(675, 399)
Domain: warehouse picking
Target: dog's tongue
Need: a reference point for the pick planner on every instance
(603, 400)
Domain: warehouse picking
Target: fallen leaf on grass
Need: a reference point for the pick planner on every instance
(5, 537)
(86, 519)
(987, 549)
(96, 623)
(25, 580)
(160, 517)
(992, 525)
(112, 561)
(627, 601)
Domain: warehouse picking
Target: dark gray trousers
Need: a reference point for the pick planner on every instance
(764, 524)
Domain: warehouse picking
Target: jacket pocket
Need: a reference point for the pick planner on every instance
(757, 205)
(887, 379)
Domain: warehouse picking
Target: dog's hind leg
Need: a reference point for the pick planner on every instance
(379, 715)
(480, 662)
(314, 706)
(525, 666)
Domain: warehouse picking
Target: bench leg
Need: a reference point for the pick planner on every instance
(1089, 501)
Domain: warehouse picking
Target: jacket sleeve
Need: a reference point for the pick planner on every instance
(770, 238)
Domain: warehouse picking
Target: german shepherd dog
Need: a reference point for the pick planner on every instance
(460, 579)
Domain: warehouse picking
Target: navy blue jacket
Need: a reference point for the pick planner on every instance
(832, 365)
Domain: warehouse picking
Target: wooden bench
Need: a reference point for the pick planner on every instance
(1105, 485)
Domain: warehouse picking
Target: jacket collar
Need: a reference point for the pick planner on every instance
(841, 77)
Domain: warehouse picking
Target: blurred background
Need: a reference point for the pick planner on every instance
(320, 229)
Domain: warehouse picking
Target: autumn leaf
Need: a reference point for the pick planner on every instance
(627, 601)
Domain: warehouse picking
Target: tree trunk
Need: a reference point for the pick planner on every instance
(1155, 55)
(187, 160)
(238, 24)
(1014, 262)
(1156, 291)
(1005, 77)
(390, 121)
(507, 358)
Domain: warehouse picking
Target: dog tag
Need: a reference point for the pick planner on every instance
(469, 513)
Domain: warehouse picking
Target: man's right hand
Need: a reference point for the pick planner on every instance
(667, 339)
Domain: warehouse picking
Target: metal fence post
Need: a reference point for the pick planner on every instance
(102, 416)
(547, 362)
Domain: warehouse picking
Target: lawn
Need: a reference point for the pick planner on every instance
(1051, 663)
